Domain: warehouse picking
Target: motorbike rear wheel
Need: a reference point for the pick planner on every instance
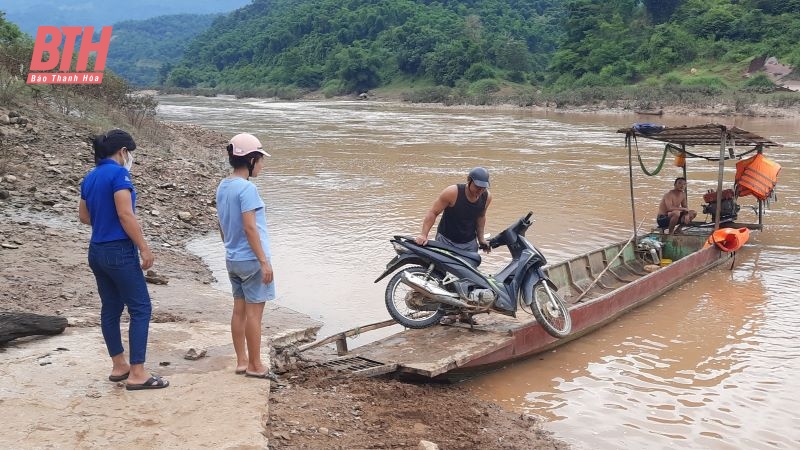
(550, 310)
(408, 307)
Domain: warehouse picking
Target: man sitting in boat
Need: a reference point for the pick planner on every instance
(673, 211)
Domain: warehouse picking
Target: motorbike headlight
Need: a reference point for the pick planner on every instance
(400, 248)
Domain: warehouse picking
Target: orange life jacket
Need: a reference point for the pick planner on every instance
(728, 239)
(756, 176)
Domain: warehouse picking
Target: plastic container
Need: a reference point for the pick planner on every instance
(665, 262)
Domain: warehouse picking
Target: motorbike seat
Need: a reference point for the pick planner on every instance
(473, 258)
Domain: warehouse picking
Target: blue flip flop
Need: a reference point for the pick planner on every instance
(153, 382)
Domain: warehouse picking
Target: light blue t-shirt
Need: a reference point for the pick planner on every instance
(234, 197)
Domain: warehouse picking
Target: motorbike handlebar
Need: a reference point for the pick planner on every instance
(530, 213)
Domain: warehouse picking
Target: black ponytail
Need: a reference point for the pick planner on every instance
(100, 148)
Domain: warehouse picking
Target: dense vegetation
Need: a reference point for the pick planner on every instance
(357, 45)
(144, 50)
(481, 46)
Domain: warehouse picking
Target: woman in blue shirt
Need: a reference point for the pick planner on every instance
(243, 228)
(108, 202)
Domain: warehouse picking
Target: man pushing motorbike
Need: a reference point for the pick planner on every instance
(464, 209)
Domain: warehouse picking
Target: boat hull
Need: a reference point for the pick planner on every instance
(595, 313)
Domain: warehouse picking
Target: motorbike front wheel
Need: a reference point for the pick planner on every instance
(407, 306)
(551, 310)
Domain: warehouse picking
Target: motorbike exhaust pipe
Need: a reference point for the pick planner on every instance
(432, 291)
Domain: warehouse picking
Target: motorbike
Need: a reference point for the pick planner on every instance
(438, 280)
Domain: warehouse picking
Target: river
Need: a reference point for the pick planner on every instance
(712, 364)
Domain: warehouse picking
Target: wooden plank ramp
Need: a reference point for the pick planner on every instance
(439, 349)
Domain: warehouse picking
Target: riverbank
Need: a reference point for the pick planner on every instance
(43, 157)
(652, 113)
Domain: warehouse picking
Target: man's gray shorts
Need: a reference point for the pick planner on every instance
(471, 246)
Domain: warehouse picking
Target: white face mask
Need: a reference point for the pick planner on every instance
(128, 160)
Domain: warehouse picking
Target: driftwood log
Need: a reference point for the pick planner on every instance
(15, 325)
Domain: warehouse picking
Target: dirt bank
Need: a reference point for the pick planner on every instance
(43, 269)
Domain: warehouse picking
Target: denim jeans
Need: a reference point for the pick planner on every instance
(120, 283)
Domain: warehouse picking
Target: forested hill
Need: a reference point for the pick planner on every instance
(355, 45)
(345, 46)
(144, 50)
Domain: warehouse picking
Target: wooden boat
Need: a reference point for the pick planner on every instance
(599, 285)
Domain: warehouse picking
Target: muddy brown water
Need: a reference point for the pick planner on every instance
(712, 364)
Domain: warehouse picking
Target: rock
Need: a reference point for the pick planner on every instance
(420, 428)
(194, 355)
(4, 194)
(154, 278)
(185, 216)
(281, 435)
(153, 212)
(5, 120)
(10, 178)
(427, 445)
(9, 245)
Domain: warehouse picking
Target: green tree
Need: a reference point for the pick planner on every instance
(448, 62)
(357, 68)
(8, 31)
(777, 7)
(661, 10)
(513, 54)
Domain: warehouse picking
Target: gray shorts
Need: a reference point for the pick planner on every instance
(246, 282)
(471, 246)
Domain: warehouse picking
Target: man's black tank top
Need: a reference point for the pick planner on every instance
(460, 222)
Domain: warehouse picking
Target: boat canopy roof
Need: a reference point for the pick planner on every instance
(696, 135)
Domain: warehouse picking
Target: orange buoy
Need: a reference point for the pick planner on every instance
(728, 239)
(756, 176)
(680, 159)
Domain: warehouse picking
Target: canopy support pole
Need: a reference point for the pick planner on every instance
(685, 163)
(722, 144)
(630, 183)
